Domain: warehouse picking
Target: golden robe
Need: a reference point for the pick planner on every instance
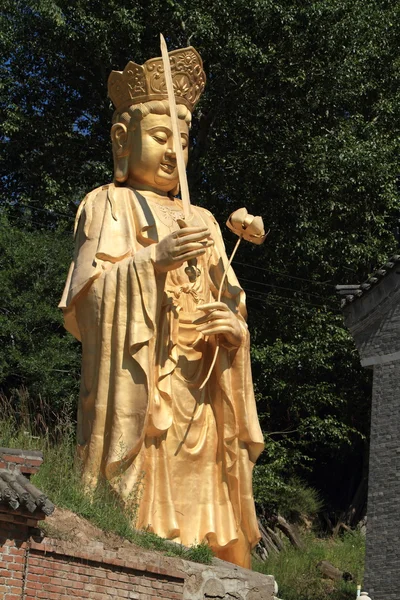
(141, 413)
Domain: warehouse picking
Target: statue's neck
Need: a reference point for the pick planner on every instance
(151, 193)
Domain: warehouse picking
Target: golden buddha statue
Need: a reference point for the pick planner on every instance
(149, 333)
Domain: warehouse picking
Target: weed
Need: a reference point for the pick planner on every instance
(297, 574)
(200, 553)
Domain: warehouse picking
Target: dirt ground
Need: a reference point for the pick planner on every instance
(66, 525)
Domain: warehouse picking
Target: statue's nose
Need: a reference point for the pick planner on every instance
(171, 153)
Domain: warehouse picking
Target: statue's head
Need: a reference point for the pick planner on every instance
(143, 145)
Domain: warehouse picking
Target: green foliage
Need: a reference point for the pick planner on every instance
(296, 570)
(37, 354)
(200, 553)
(293, 498)
(299, 123)
(314, 406)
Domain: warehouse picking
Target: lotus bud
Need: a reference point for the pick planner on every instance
(247, 226)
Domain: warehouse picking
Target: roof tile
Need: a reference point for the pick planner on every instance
(16, 491)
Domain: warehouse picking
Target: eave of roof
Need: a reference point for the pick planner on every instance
(350, 293)
(17, 492)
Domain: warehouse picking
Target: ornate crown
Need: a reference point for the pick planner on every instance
(142, 83)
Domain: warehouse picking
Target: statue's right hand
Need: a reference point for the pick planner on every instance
(180, 246)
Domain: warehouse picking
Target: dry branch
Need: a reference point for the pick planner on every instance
(288, 530)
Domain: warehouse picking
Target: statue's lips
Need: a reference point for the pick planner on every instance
(168, 168)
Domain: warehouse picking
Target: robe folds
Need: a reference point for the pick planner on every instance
(142, 419)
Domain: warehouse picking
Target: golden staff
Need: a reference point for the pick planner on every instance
(191, 270)
(180, 161)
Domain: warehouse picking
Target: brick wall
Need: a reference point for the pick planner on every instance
(51, 570)
(26, 461)
(382, 562)
(55, 572)
(13, 553)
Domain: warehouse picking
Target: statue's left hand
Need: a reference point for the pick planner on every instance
(219, 319)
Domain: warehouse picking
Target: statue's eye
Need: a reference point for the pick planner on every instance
(161, 137)
(184, 143)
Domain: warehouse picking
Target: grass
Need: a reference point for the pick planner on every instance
(297, 574)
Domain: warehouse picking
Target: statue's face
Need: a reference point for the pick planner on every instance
(152, 159)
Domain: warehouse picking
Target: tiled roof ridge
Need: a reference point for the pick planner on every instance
(17, 492)
(350, 293)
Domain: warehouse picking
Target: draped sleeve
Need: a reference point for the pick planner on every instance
(111, 304)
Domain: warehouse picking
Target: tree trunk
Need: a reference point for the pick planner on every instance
(284, 526)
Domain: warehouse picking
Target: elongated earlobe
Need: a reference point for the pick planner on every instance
(121, 169)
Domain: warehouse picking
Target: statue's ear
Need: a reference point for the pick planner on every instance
(119, 138)
(120, 145)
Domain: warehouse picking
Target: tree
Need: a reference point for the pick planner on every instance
(299, 123)
(39, 363)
